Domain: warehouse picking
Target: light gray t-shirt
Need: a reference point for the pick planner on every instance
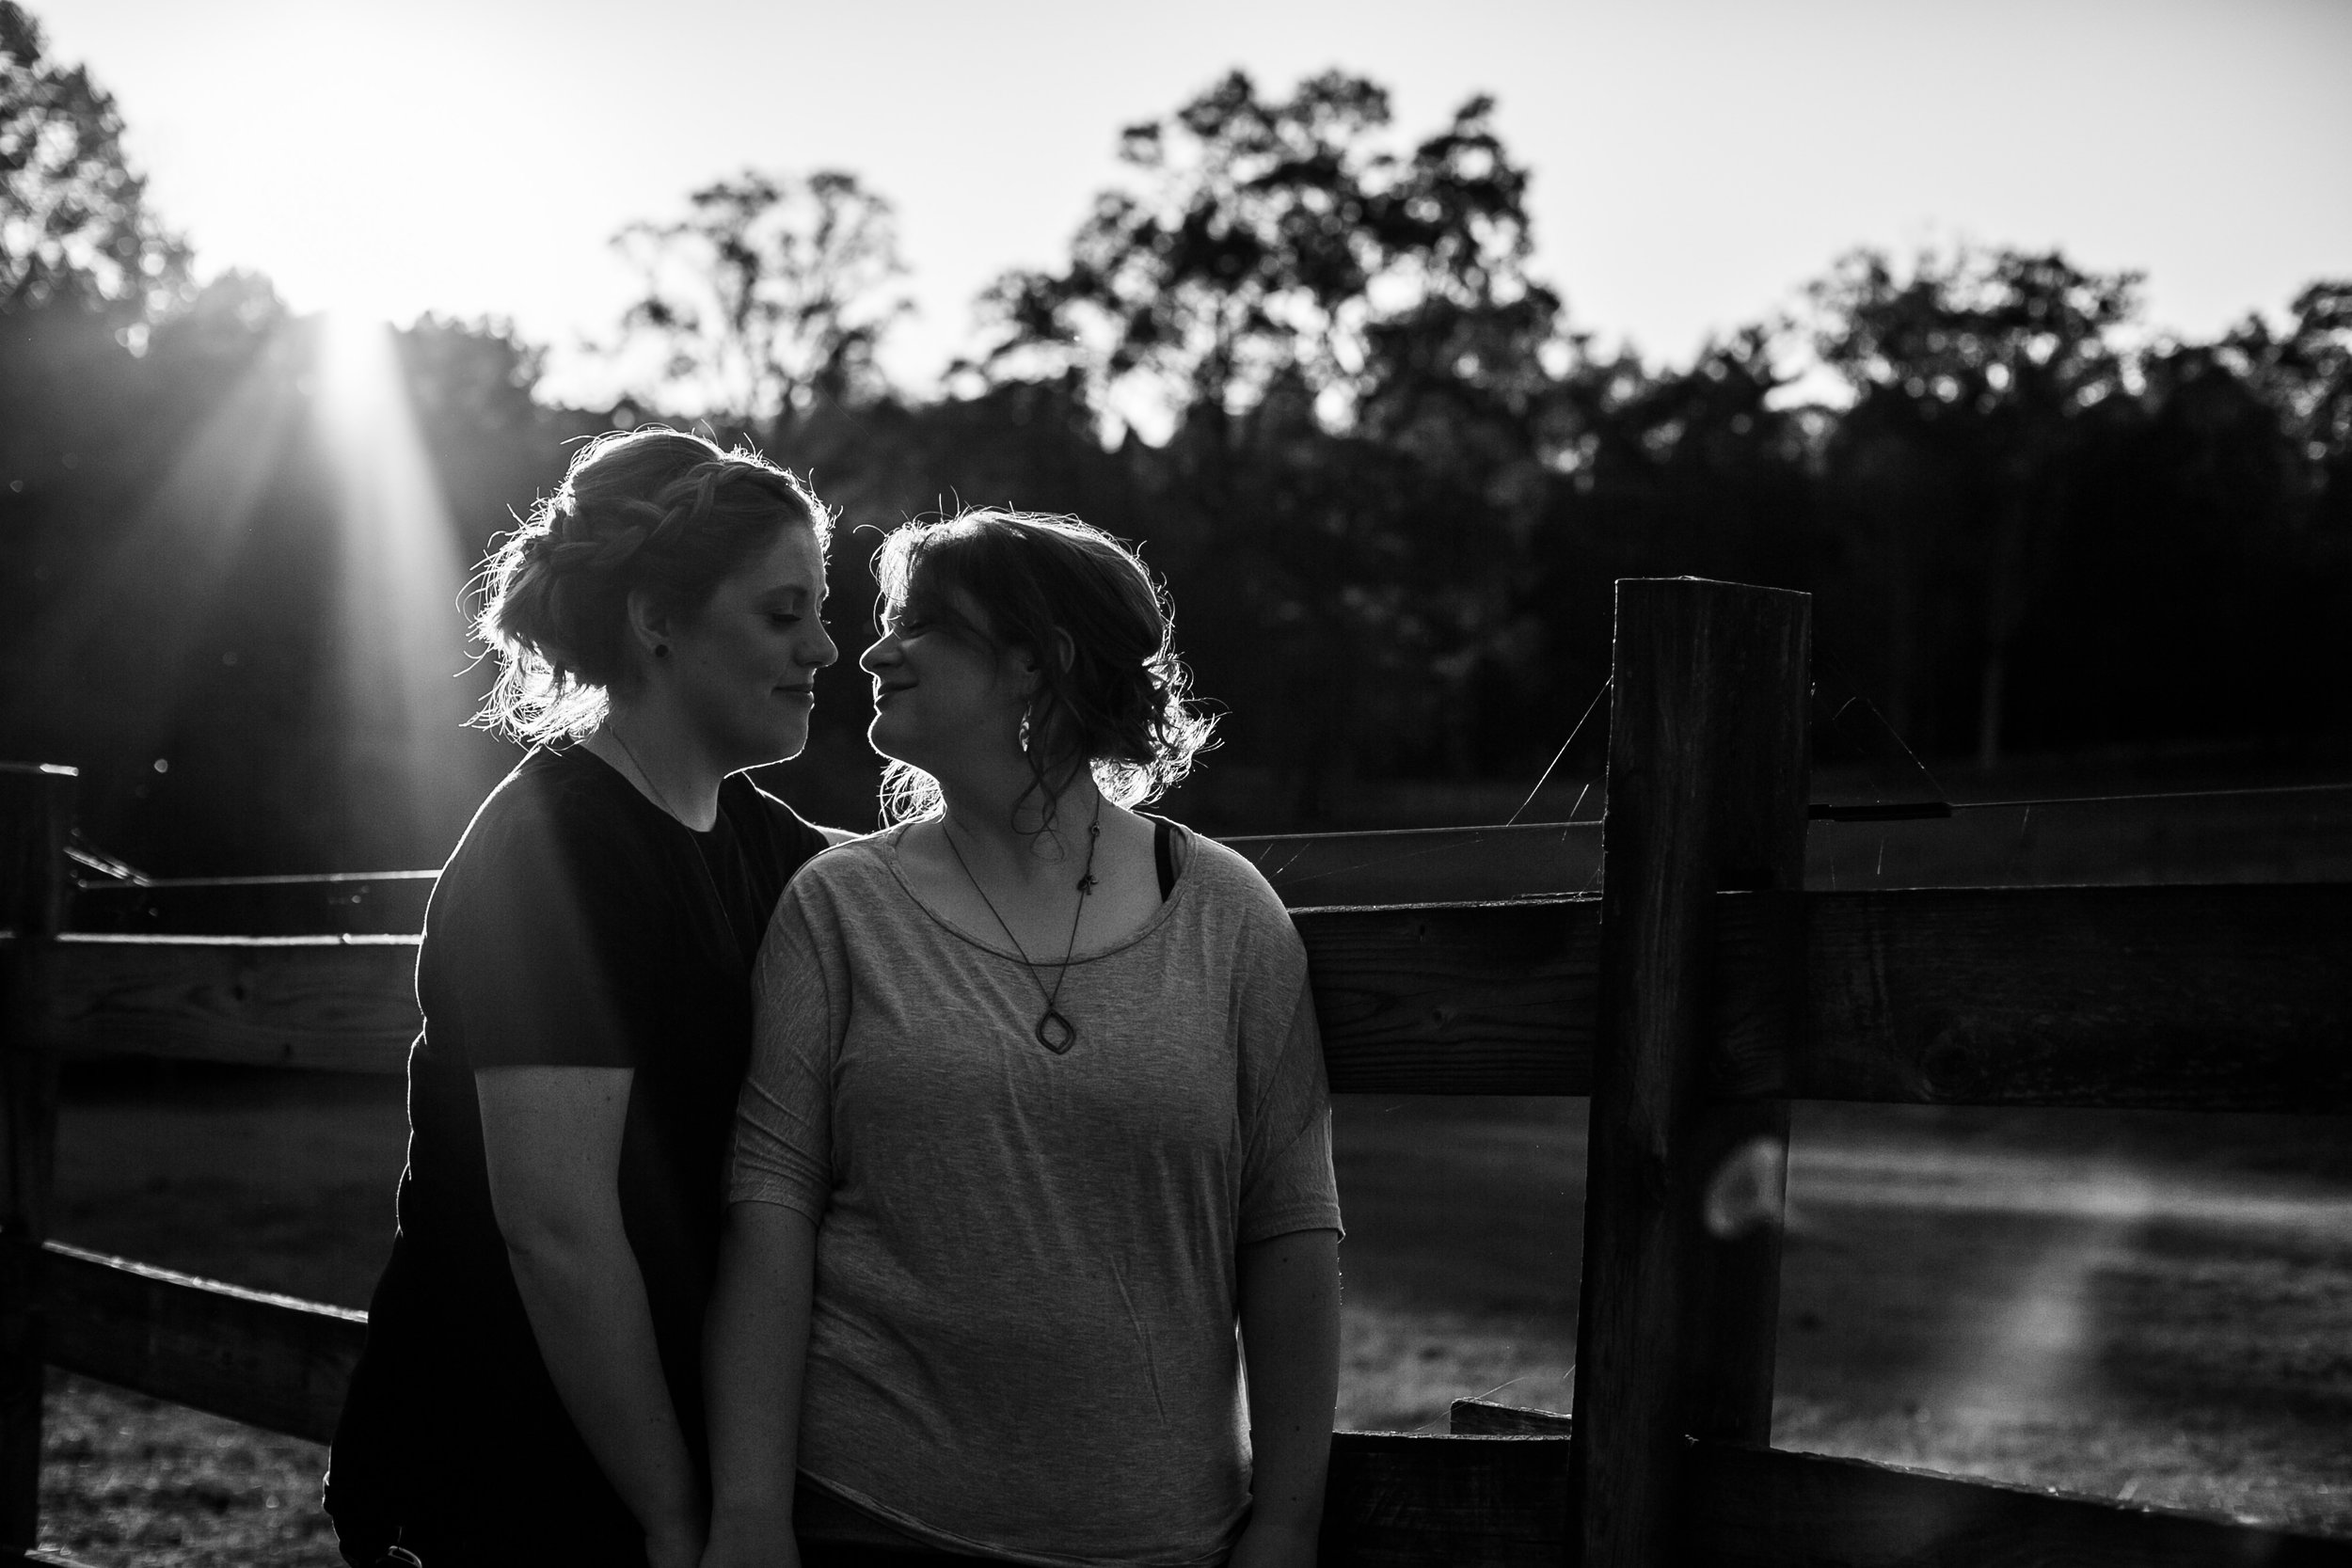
(1023, 1339)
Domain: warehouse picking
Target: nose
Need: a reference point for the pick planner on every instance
(883, 652)
(822, 650)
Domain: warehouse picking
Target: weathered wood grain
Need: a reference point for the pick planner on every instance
(1706, 792)
(267, 1360)
(2181, 998)
(1485, 1418)
(1763, 1508)
(1399, 1501)
(339, 1003)
(1479, 999)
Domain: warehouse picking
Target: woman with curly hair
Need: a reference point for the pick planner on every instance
(1036, 1116)
(530, 1391)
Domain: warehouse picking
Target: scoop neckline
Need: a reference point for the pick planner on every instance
(1087, 954)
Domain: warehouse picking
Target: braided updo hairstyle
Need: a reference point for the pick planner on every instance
(1112, 695)
(652, 511)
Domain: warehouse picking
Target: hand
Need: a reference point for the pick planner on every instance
(1267, 1543)
(740, 1539)
(676, 1545)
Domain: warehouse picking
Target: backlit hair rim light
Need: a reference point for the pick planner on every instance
(651, 510)
(1120, 704)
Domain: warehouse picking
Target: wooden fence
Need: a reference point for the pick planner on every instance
(1699, 993)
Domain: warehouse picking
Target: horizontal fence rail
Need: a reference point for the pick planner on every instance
(1428, 865)
(269, 1360)
(354, 902)
(2221, 998)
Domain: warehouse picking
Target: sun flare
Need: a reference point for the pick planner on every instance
(401, 631)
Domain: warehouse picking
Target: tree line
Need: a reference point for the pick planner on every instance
(1307, 363)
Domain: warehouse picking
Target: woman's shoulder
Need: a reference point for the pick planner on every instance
(552, 798)
(554, 843)
(770, 822)
(845, 888)
(855, 862)
(1229, 876)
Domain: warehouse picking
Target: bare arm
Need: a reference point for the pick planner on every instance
(551, 1138)
(753, 1350)
(1290, 1333)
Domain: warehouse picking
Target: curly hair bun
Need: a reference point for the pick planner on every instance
(650, 511)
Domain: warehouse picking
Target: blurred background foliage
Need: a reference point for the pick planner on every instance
(1387, 477)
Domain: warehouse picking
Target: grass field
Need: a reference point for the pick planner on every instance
(2154, 1307)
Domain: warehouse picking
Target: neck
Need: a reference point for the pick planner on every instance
(664, 760)
(1011, 832)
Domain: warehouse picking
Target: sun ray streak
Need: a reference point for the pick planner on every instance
(400, 632)
(122, 637)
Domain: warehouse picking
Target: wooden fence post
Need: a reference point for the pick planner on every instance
(1706, 793)
(36, 812)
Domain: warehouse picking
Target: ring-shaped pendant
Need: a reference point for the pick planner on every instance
(1055, 1033)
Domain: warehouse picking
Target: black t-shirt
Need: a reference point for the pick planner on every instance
(577, 925)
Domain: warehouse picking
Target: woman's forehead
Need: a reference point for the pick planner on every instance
(928, 585)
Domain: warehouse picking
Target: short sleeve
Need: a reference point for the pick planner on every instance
(782, 1149)
(1287, 1182)
(553, 950)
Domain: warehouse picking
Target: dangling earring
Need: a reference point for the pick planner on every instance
(1025, 732)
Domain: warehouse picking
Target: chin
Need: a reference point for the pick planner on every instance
(778, 746)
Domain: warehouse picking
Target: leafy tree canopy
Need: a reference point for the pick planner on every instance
(75, 224)
(770, 296)
(2306, 372)
(1976, 330)
(1278, 242)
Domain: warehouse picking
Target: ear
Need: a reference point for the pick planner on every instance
(1025, 670)
(648, 627)
(1065, 655)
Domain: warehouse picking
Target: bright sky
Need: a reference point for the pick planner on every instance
(1695, 161)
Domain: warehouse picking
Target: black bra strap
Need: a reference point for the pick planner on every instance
(1164, 853)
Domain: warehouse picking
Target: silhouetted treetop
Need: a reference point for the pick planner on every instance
(2305, 373)
(73, 218)
(770, 296)
(1975, 330)
(1278, 241)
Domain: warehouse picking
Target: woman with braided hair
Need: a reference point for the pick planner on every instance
(529, 1389)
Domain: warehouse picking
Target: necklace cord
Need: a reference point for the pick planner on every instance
(630, 752)
(1057, 1041)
